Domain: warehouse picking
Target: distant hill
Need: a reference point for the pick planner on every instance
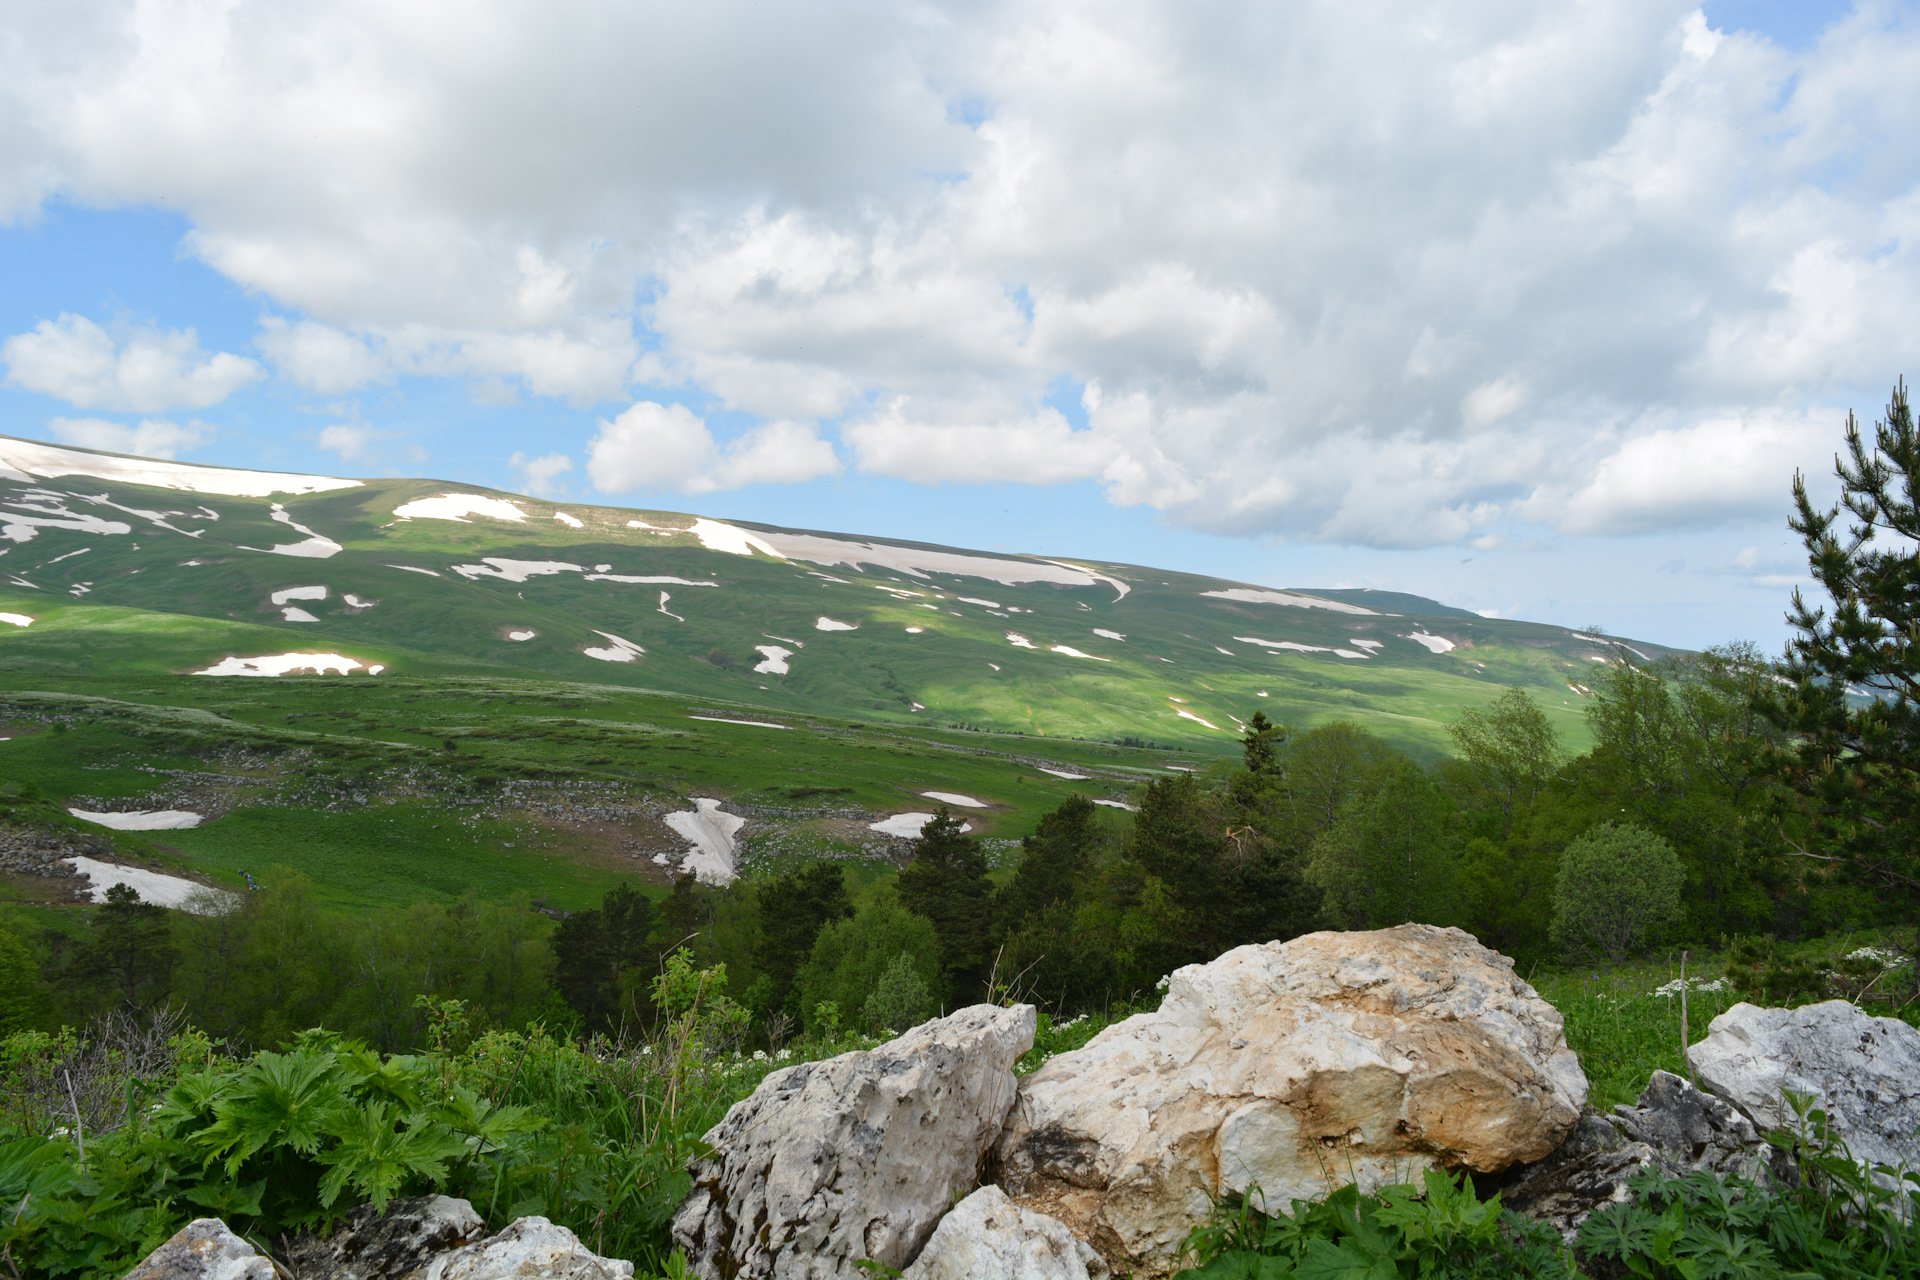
(145, 567)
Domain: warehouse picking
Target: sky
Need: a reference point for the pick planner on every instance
(1534, 309)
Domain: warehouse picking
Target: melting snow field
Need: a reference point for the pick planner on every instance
(283, 664)
(1433, 644)
(1184, 714)
(1295, 647)
(617, 649)
(46, 460)
(293, 613)
(1248, 595)
(1105, 634)
(45, 510)
(1018, 641)
(572, 522)
(149, 820)
(152, 886)
(829, 624)
(458, 506)
(1072, 652)
(513, 570)
(711, 834)
(907, 826)
(17, 619)
(1117, 804)
(1062, 773)
(954, 798)
(773, 660)
(756, 724)
(522, 635)
(717, 535)
(314, 546)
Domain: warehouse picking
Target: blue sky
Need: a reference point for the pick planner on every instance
(1532, 309)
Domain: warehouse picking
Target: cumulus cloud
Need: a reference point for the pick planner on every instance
(662, 446)
(143, 370)
(1325, 271)
(149, 438)
(540, 476)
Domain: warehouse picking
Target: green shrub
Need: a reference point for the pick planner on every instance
(1618, 890)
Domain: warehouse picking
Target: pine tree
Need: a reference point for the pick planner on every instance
(947, 883)
(1853, 702)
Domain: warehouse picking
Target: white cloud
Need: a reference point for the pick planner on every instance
(319, 357)
(149, 438)
(660, 446)
(143, 370)
(1326, 271)
(540, 476)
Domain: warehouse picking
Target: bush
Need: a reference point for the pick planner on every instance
(1617, 891)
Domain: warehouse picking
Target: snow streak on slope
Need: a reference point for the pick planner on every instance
(26, 458)
(1250, 595)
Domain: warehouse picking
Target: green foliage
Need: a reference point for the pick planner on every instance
(1509, 752)
(850, 957)
(603, 960)
(901, 998)
(794, 907)
(947, 884)
(1618, 889)
(1852, 698)
(1440, 1230)
(1392, 855)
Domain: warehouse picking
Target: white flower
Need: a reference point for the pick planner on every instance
(1671, 989)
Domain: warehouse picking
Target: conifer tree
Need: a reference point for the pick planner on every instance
(947, 883)
(1853, 697)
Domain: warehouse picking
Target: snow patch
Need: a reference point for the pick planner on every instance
(1295, 647)
(907, 826)
(314, 546)
(1062, 773)
(1105, 634)
(46, 460)
(616, 649)
(572, 522)
(717, 535)
(828, 624)
(1250, 595)
(914, 631)
(140, 820)
(649, 580)
(513, 570)
(522, 635)
(984, 604)
(152, 886)
(1072, 652)
(1118, 804)
(664, 597)
(1018, 641)
(711, 833)
(1371, 646)
(1432, 643)
(355, 602)
(756, 724)
(282, 664)
(431, 573)
(43, 510)
(458, 506)
(955, 798)
(918, 562)
(294, 613)
(1184, 714)
(285, 594)
(17, 619)
(773, 659)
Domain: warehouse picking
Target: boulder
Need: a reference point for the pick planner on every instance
(1864, 1072)
(1285, 1070)
(204, 1250)
(1673, 1129)
(527, 1249)
(856, 1157)
(390, 1245)
(989, 1237)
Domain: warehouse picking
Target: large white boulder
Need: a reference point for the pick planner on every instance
(856, 1157)
(1864, 1072)
(989, 1237)
(1287, 1070)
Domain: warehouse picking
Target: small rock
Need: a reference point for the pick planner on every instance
(989, 1237)
(1673, 1129)
(204, 1250)
(529, 1249)
(1290, 1069)
(1864, 1072)
(376, 1246)
(857, 1157)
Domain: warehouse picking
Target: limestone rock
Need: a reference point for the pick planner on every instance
(989, 1237)
(204, 1250)
(856, 1157)
(1674, 1129)
(529, 1248)
(390, 1245)
(1864, 1072)
(1292, 1068)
